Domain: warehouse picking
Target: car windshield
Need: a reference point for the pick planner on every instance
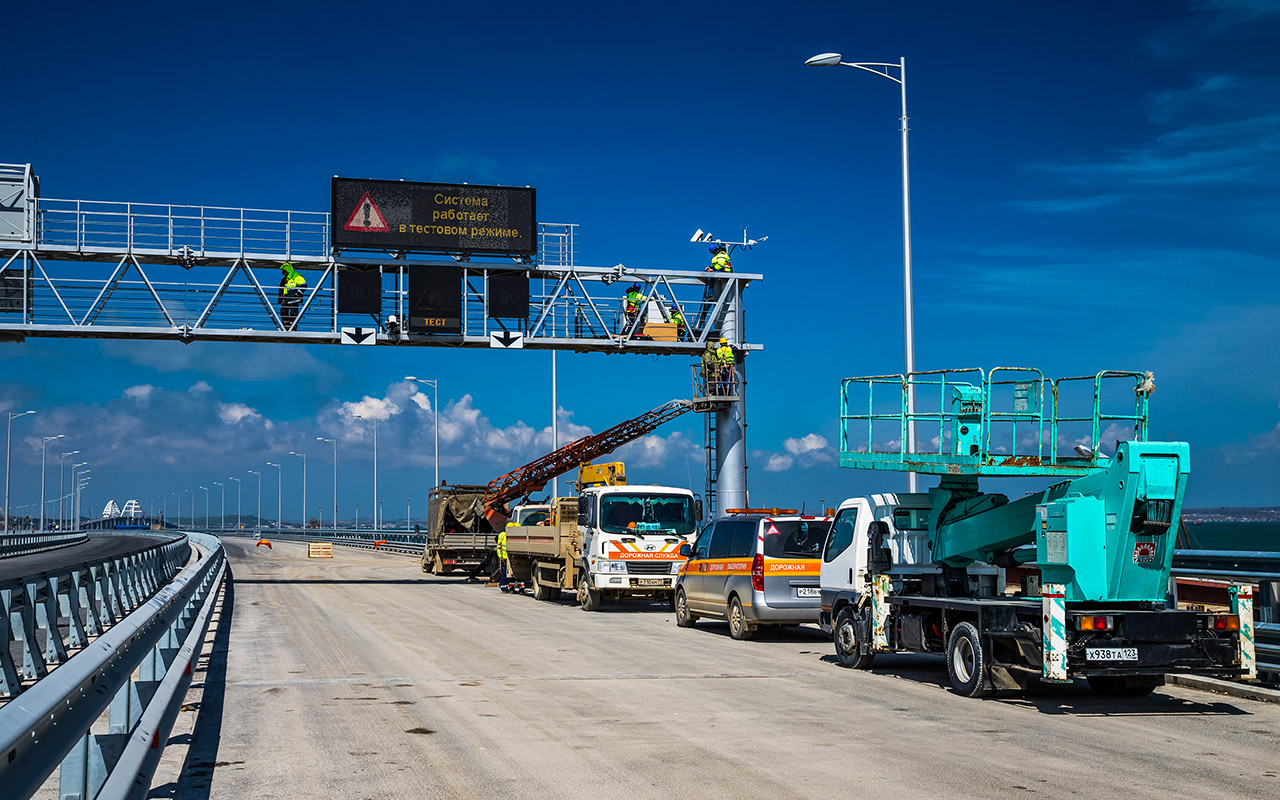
(533, 517)
(647, 514)
(795, 538)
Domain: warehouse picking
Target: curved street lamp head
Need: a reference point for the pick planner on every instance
(72, 453)
(823, 60)
(409, 378)
(48, 439)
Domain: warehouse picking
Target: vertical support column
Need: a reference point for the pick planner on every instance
(1242, 604)
(731, 421)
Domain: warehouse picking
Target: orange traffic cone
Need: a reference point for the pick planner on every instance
(261, 542)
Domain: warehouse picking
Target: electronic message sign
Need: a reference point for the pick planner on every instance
(433, 217)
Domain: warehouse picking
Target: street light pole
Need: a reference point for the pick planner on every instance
(193, 508)
(258, 524)
(62, 487)
(239, 489)
(375, 468)
(8, 455)
(222, 517)
(908, 313)
(333, 442)
(206, 507)
(279, 494)
(435, 419)
(303, 456)
(43, 470)
(75, 493)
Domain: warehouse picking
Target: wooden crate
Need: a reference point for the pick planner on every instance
(659, 331)
(319, 550)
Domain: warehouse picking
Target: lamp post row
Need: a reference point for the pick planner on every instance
(79, 480)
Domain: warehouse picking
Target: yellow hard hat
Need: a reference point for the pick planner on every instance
(723, 340)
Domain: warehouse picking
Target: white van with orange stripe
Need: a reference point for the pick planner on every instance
(754, 567)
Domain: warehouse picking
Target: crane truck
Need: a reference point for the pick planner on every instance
(614, 540)
(925, 572)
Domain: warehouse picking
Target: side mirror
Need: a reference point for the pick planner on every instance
(697, 508)
(686, 550)
(582, 511)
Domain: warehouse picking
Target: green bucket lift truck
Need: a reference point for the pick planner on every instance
(926, 572)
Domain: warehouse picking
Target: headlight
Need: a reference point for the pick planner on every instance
(675, 567)
(611, 566)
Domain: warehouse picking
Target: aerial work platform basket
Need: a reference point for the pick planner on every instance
(1011, 421)
(714, 389)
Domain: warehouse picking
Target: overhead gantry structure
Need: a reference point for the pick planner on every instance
(153, 271)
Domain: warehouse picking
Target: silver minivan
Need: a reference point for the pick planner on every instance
(753, 568)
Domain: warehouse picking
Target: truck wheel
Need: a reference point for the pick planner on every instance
(588, 598)
(542, 591)
(738, 625)
(684, 618)
(967, 662)
(850, 650)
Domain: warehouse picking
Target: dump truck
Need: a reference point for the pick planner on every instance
(926, 571)
(613, 540)
(458, 535)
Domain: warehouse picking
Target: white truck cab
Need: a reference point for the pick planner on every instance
(631, 537)
(904, 553)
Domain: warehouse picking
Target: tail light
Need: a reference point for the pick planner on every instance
(757, 573)
(1094, 623)
(1226, 623)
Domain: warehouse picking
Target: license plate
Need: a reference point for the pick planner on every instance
(1111, 653)
(808, 591)
(655, 582)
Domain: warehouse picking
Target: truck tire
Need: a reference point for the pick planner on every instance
(1124, 686)
(684, 617)
(588, 598)
(739, 628)
(967, 662)
(851, 651)
(542, 591)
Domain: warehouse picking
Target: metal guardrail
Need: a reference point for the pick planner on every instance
(1267, 644)
(1233, 565)
(399, 543)
(92, 596)
(50, 723)
(22, 544)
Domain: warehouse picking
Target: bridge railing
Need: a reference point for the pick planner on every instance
(389, 541)
(22, 544)
(50, 723)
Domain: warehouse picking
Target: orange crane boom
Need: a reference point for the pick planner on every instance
(534, 476)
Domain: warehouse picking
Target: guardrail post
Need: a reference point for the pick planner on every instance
(33, 665)
(86, 767)
(55, 652)
(9, 681)
(70, 607)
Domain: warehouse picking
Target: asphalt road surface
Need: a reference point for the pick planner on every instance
(361, 677)
(99, 546)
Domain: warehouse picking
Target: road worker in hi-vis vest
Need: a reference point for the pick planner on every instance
(719, 259)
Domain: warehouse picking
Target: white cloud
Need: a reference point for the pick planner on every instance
(141, 392)
(232, 413)
(801, 452)
(200, 386)
(368, 407)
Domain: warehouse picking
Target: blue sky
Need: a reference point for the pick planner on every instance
(1094, 186)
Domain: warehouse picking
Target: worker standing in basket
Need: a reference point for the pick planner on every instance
(725, 360)
(710, 369)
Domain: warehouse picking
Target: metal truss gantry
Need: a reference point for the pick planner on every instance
(147, 271)
(77, 268)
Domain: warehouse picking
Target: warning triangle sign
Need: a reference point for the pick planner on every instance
(773, 530)
(367, 217)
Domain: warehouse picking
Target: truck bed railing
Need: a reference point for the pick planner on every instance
(1009, 421)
